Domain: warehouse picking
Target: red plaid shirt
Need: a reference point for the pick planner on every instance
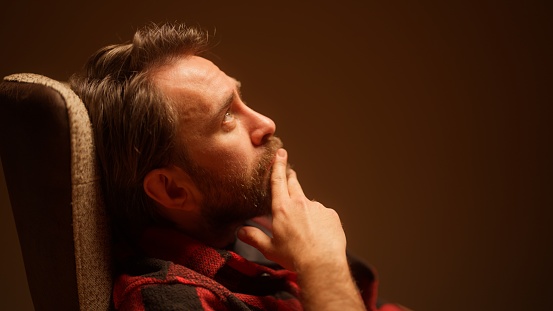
(188, 275)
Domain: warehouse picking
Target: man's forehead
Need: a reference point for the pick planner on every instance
(196, 85)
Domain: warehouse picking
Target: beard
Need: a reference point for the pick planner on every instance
(238, 194)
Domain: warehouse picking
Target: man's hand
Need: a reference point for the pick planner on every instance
(307, 238)
(305, 232)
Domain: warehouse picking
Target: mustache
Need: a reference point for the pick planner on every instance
(272, 144)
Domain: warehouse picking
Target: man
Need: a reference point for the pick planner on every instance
(185, 164)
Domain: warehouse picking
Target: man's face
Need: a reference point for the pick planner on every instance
(231, 147)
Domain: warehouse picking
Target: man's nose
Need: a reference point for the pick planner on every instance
(262, 128)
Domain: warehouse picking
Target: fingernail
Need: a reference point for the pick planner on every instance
(281, 153)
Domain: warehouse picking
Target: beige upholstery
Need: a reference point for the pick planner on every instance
(89, 222)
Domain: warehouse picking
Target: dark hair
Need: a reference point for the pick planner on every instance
(134, 124)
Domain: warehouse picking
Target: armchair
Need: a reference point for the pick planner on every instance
(47, 153)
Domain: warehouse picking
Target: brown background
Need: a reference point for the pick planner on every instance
(426, 125)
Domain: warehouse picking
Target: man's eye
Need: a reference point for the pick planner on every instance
(228, 117)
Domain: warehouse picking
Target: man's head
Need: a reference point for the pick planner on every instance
(173, 136)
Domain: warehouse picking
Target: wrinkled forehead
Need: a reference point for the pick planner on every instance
(195, 85)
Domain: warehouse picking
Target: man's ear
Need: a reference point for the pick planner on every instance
(170, 187)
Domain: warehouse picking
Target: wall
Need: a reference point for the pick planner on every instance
(427, 126)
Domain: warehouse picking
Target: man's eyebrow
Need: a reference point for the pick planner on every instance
(223, 109)
(238, 87)
(228, 101)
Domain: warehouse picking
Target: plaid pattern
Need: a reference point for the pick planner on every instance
(188, 275)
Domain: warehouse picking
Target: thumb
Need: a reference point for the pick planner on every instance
(256, 238)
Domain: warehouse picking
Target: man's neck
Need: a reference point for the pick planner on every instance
(197, 227)
(219, 237)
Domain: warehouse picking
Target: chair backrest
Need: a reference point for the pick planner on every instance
(50, 169)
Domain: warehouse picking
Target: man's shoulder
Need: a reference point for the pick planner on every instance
(142, 271)
(145, 267)
(163, 284)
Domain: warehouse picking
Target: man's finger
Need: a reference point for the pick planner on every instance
(279, 183)
(255, 237)
(294, 187)
(264, 221)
